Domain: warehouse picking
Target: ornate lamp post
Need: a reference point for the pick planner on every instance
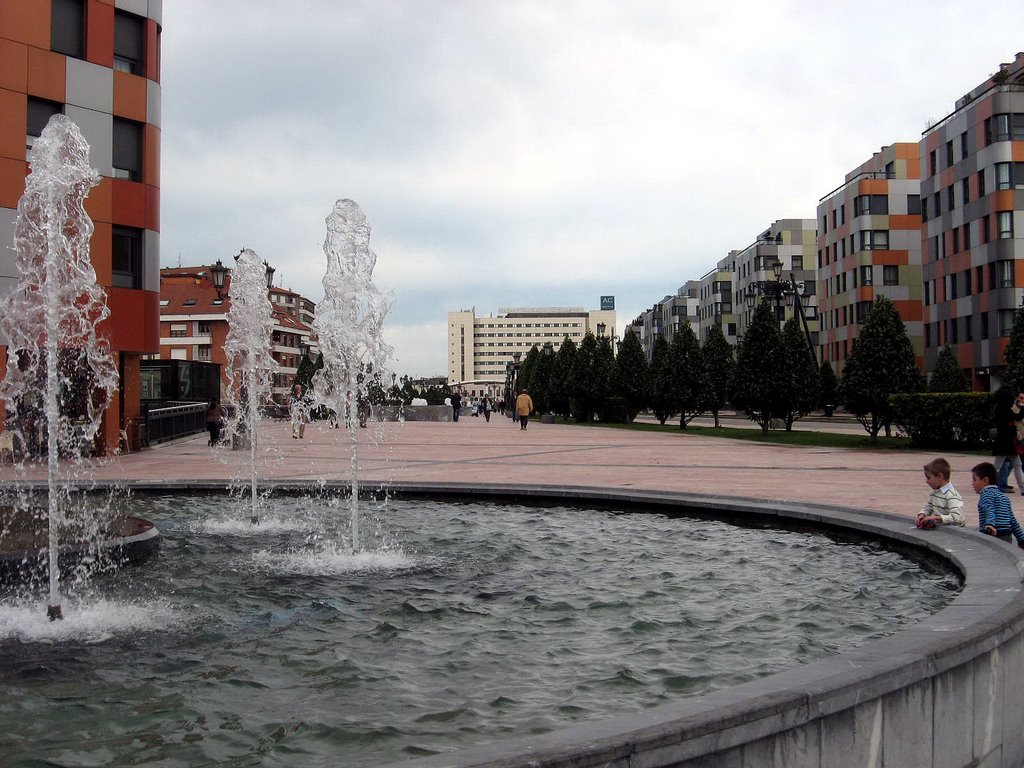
(787, 291)
(219, 273)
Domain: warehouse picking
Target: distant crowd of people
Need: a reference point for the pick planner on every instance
(522, 407)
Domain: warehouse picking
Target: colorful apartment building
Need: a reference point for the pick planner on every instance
(868, 245)
(972, 210)
(98, 63)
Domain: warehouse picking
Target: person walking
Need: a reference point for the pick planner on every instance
(456, 400)
(298, 412)
(214, 419)
(524, 407)
(1008, 406)
(485, 406)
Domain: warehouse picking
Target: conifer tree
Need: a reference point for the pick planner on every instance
(661, 380)
(561, 378)
(719, 370)
(948, 376)
(801, 374)
(584, 389)
(880, 364)
(828, 386)
(760, 383)
(687, 371)
(631, 376)
(1014, 354)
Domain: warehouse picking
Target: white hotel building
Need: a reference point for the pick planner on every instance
(479, 348)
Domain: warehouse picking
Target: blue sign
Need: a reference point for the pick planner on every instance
(607, 302)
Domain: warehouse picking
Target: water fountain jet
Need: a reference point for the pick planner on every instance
(50, 319)
(348, 323)
(250, 361)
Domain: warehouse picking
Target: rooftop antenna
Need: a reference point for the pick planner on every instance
(179, 259)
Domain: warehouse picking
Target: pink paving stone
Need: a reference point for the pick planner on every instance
(498, 452)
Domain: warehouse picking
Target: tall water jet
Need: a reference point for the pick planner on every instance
(58, 368)
(348, 324)
(250, 361)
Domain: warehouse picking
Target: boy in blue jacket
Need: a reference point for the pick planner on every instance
(995, 515)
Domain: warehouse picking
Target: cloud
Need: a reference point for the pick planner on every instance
(515, 153)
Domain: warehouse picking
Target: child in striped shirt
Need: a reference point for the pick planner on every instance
(944, 506)
(995, 515)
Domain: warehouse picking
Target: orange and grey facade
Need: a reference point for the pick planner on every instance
(868, 245)
(98, 63)
(972, 206)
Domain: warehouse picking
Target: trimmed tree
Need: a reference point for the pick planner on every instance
(760, 380)
(561, 378)
(631, 376)
(687, 370)
(719, 370)
(948, 376)
(880, 364)
(660, 399)
(828, 386)
(801, 371)
(526, 378)
(1013, 356)
(585, 389)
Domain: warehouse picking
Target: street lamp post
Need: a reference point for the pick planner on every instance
(787, 291)
(548, 354)
(219, 273)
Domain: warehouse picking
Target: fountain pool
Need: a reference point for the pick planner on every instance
(252, 646)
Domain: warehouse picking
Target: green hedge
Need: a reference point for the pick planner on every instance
(958, 420)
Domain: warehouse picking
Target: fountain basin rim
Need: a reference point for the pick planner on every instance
(17, 564)
(988, 613)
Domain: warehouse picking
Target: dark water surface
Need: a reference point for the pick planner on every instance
(251, 647)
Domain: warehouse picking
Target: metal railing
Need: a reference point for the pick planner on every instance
(174, 421)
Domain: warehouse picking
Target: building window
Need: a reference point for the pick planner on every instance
(796, 262)
(890, 275)
(967, 282)
(949, 153)
(963, 146)
(865, 275)
(1003, 180)
(39, 113)
(986, 227)
(1005, 271)
(922, 205)
(951, 289)
(913, 204)
(1005, 318)
(933, 165)
(965, 190)
(997, 128)
(950, 198)
(956, 240)
(179, 331)
(67, 27)
(1004, 223)
(127, 150)
(874, 240)
(981, 182)
(129, 43)
(871, 204)
(126, 257)
(890, 170)
(967, 236)
(203, 352)
(203, 327)
(984, 325)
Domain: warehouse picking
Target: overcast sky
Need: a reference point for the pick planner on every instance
(537, 153)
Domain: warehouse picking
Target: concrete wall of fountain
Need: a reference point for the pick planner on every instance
(948, 691)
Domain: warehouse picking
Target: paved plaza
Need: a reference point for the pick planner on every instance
(499, 453)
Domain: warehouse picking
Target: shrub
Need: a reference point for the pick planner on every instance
(943, 419)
